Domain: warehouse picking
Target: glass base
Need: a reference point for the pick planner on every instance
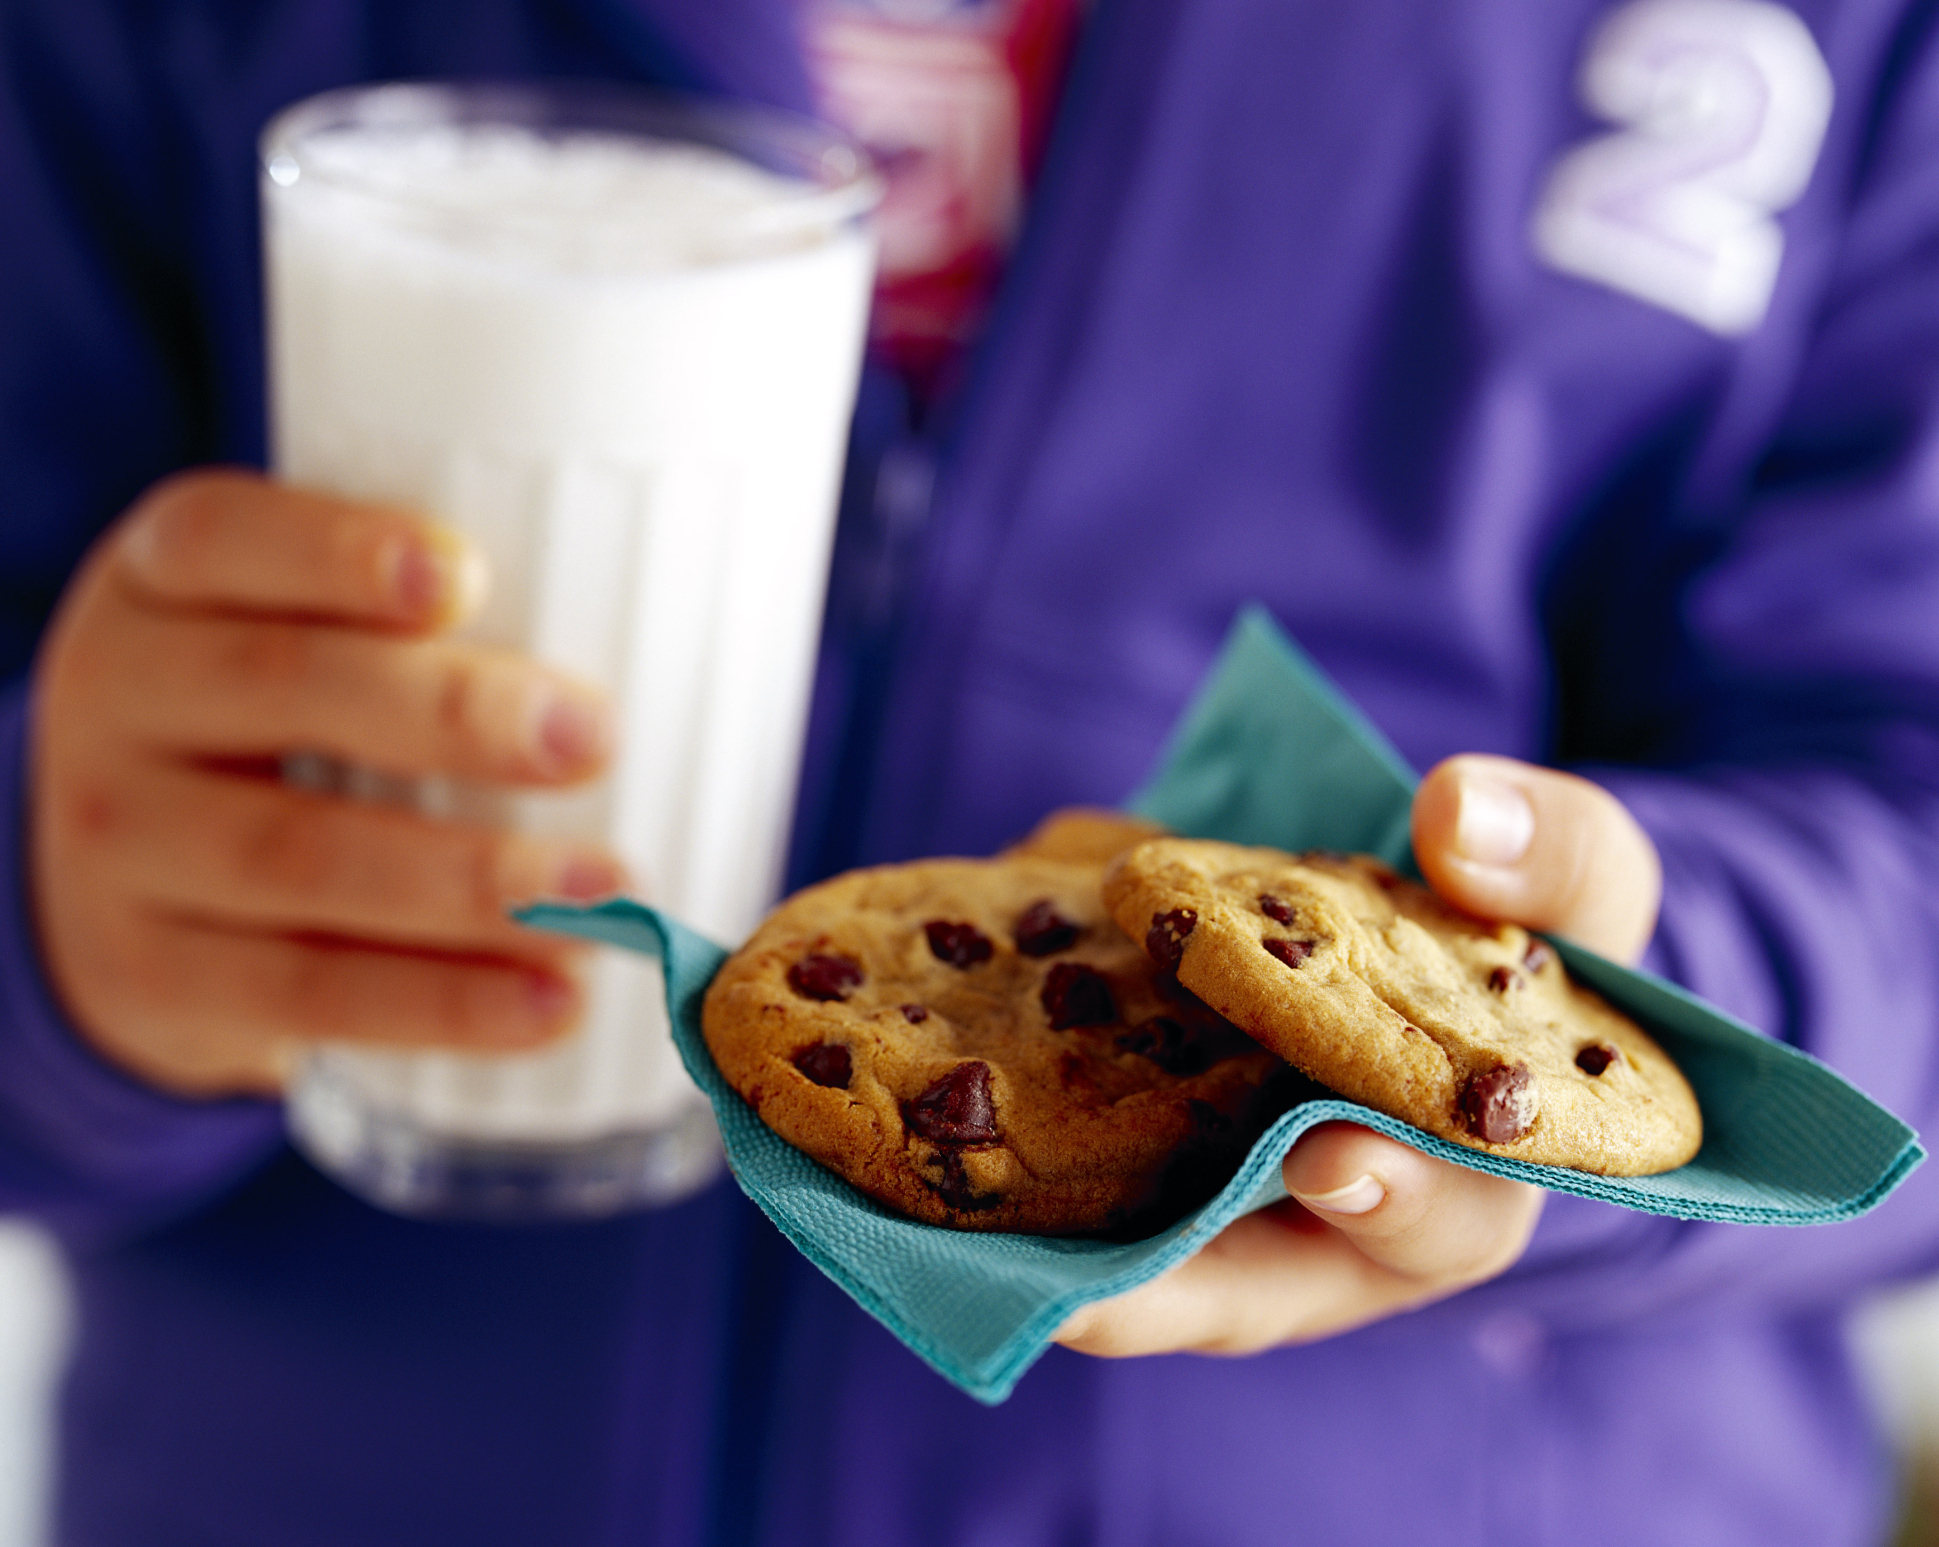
(391, 1160)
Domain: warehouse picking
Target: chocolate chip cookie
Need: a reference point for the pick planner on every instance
(1378, 989)
(1085, 835)
(975, 1044)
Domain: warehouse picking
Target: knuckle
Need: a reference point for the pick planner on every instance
(477, 701)
(488, 863)
(290, 851)
(311, 994)
(269, 658)
(154, 980)
(461, 1007)
(477, 1004)
(100, 968)
(458, 699)
(87, 814)
(138, 1000)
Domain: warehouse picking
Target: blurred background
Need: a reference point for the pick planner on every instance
(1897, 1337)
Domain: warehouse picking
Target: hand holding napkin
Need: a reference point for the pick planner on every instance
(1269, 753)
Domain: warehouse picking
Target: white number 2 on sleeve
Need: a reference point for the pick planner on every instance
(1724, 105)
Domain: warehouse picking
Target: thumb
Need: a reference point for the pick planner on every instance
(1547, 850)
(1435, 1226)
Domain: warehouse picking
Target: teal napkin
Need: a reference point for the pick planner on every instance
(1269, 753)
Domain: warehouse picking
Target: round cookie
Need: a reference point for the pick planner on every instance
(1378, 989)
(1085, 835)
(973, 1043)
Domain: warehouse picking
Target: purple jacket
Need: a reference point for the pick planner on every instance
(1276, 330)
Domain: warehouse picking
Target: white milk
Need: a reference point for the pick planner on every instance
(625, 369)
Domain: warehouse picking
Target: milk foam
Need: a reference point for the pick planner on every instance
(577, 203)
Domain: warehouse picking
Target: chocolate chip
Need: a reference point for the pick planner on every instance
(1074, 1075)
(826, 1063)
(1208, 1122)
(1291, 952)
(825, 977)
(1165, 1041)
(1502, 979)
(1076, 995)
(1498, 1104)
(1595, 1058)
(1279, 911)
(1043, 931)
(1165, 940)
(915, 1014)
(961, 945)
(957, 1190)
(1200, 1166)
(1186, 1044)
(955, 1109)
(1537, 956)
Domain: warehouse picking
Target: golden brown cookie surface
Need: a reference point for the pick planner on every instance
(1085, 835)
(1379, 990)
(975, 1044)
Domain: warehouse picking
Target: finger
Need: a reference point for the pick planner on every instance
(1425, 1220)
(1346, 1255)
(232, 1009)
(1545, 849)
(229, 686)
(230, 539)
(260, 855)
(1272, 1278)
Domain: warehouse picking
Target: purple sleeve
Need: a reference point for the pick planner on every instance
(83, 1147)
(1803, 902)
(1799, 820)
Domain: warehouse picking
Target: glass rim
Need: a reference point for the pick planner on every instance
(838, 182)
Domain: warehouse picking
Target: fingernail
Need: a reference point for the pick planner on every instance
(572, 732)
(1494, 823)
(587, 878)
(141, 546)
(437, 575)
(1359, 1196)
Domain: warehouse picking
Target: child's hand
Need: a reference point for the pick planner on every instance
(200, 919)
(1377, 1227)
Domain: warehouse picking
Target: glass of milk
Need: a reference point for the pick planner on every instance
(614, 338)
